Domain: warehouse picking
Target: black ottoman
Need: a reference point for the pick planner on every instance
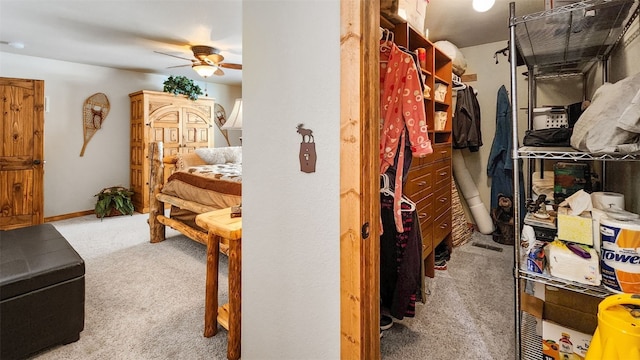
(41, 291)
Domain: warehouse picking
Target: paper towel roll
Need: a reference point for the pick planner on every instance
(604, 200)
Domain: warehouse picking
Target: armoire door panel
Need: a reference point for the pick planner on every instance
(182, 125)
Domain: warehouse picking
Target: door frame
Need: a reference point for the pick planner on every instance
(359, 187)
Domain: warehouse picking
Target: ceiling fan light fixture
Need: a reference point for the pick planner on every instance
(483, 5)
(218, 72)
(215, 58)
(204, 70)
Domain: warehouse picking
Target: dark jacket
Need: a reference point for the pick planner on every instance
(466, 122)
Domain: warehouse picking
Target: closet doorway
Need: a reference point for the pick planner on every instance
(359, 180)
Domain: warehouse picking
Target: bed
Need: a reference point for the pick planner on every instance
(185, 185)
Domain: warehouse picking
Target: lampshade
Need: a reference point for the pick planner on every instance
(482, 5)
(234, 122)
(204, 70)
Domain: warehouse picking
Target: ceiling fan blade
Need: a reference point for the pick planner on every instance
(215, 58)
(175, 56)
(231, 66)
(177, 66)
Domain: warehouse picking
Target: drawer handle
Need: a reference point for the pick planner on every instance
(444, 226)
(442, 200)
(422, 215)
(444, 173)
(422, 183)
(444, 152)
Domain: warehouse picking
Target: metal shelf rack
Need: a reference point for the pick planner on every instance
(561, 42)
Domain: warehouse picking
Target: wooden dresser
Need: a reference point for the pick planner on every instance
(429, 179)
(182, 125)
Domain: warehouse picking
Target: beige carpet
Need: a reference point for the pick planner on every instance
(146, 301)
(143, 300)
(469, 313)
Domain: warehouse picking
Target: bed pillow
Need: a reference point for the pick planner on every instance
(184, 161)
(212, 156)
(233, 154)
(221, 155)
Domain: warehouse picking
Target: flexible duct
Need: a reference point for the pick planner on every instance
(471, 194)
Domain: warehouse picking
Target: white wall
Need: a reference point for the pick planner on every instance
(290, 249)
(71, 181)
(490, 76)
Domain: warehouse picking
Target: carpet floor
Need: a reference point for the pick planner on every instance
(469, 313)
(146, 301)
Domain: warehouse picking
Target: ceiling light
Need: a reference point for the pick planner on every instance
(204, 70)
(482, 5)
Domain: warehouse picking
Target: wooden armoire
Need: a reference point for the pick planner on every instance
(181, 124)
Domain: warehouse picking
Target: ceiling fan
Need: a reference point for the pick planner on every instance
(207, 61)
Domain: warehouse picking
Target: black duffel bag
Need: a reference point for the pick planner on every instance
(548, 137)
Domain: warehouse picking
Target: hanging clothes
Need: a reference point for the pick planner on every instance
(500, 163)
(466, 121)
(400, 261)
(402, 114)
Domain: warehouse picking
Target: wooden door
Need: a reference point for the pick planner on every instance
(22, 153)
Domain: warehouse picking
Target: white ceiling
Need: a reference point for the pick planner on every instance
(457, 22)
(125, 34)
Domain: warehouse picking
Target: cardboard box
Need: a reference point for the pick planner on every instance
(411, 11)
(561, 343)
(575, 228)
(563, 307)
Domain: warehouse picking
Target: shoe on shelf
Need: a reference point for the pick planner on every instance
(386, 322)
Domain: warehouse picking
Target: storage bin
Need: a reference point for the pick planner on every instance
(440, 122)
(550, 117)
(440, 92)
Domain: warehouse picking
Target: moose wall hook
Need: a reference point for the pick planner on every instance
(307, 150)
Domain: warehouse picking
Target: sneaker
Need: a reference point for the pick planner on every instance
(386, 322)
(440, 265)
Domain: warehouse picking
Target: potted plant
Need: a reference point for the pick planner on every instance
(181, 85)
(115, 200)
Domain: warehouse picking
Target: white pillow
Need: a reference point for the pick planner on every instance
(233, 154)
(221, 155)
(212, 156)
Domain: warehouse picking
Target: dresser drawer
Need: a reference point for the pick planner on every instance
(442, 200)
(441, 174)
(442, 226)
(427, 239)
(420, 183)
(441, 152)
(424, 209)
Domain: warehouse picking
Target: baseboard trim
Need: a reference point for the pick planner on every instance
(69, 216)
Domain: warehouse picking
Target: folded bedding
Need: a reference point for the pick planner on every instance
(218, 185)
